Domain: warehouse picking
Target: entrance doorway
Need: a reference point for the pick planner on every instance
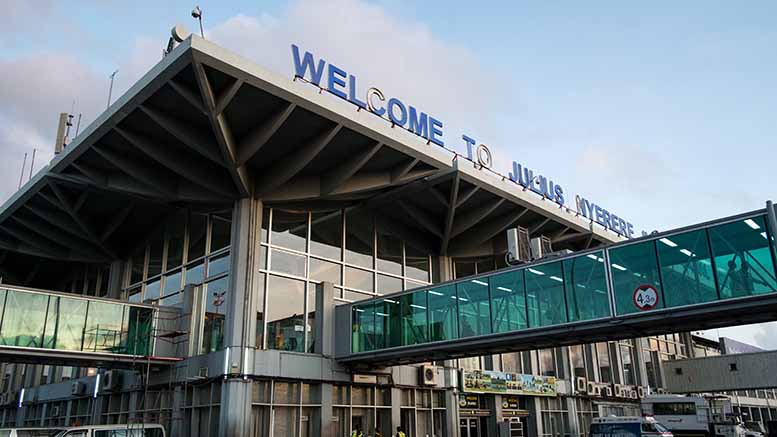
(469, 427)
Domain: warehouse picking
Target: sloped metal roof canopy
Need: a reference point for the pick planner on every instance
(205, 127)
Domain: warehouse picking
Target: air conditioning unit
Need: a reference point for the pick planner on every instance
(110, 380)
(641, 392)
(540, 247)
(428, 375)
(598, 390)
(55, 411)
(660, 391)
(633, 394)
(591, 389)
(618, 389)
(581, 384)
(608, 391)
(77, 388)
(202, 372)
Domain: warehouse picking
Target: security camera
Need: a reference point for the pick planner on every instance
(196, 12)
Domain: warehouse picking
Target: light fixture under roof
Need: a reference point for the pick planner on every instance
(686, 252)
(619, 267)
(752, 224)
(536, 272)
(668, 242)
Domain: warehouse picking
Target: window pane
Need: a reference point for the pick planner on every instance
(198, 225)
(287, 262)
(325, 271)
(139, 329)
(464, 268)
(152, 291)
(285, 321)
(742, 258)
(508, 302)
(137, 262)
(104, 327)
(443, 313)
(220, 233)
(634, 267)
(359, 279)
(686, 269)
(586, 287)
(389, 284)
(174, 230)
(311, 318)
(65, 324)
(172, 283)
(545, 289)
(359, 243)
(389, 318)
(389, 252)
(414, 324)
(195, 273)
(289, 229)
(155, 257)
(218, 264)
(216, 295)
(474, 307)
(326, 234)
(417, 263)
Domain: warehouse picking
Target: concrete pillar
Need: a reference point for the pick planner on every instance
(452, 402)
(240, 330)
(325, 322)
(178, 416)
(573, 417)
(328, 426)
(396, 409)
(534, 421)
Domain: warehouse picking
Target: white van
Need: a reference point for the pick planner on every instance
(628, 427)
(29, 432)
(136, 430)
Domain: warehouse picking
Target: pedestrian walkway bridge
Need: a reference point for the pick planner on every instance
(39, 326)
(715, 274)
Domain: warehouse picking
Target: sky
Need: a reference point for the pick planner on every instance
(661, 112)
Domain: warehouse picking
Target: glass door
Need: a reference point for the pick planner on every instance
(469, 427)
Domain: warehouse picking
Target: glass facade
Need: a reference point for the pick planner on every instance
(675, 270)
(48, 321)
(361, 259)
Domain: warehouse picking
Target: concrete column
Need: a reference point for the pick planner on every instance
(241, 306)
(573, 417)
(328, 426)
(178, 416)
(325, 323)
(396, 409)
(534, 421)
(115, 276)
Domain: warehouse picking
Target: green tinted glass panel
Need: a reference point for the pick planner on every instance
(139, 327)
(742, 258)
(474, 307)
(508, 302)
(414, 324)
(65, 323)
(586, 287)
(391, 319)
(364, 328)
(545, 289)
(24, 319)
(634, 267)
(104, 327)
(443, 323)
(686, 269)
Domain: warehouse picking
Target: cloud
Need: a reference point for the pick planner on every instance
(401, 57)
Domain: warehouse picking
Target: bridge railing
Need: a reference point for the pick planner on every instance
(726, 259)
(45, 320)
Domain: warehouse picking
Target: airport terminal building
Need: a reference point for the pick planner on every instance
(244, 207)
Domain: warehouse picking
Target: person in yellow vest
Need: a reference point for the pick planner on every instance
(357, 432)
(400, 433)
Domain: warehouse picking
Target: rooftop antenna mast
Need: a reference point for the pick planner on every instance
(24, 164)
(32, 162)
(110, 89)
(197, 13)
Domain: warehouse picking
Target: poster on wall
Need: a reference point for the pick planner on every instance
(489, 381)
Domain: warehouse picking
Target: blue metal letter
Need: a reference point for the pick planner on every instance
(515, 175)
(470, 142)
(333, 80)
(352, 93)
(559, 195)
(435, 131)
(307, 63)
(419, 124)
(396, 102)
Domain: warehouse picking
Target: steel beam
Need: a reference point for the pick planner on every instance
(257, 138)
(335, 177)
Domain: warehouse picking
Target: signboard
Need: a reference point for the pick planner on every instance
(645, 297)
(340, 83)
(510, 402)
(469, 401)
(489, 381)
